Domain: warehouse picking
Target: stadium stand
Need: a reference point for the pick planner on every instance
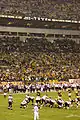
(58, 9)
(37, 58)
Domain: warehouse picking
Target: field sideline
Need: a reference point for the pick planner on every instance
(46, 113)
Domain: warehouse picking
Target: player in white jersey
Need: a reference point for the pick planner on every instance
(30, 98)
(36, 112)
(67, 104)
(43, 99)
(10, 101)
(5, 94)
(60, 103)
(24, 103)
(38, 100)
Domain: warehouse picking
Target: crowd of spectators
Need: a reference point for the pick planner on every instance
(57, 9)
(38, 59)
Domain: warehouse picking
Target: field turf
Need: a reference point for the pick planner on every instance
(45, 113)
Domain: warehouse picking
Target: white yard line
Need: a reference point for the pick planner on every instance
(72, 116)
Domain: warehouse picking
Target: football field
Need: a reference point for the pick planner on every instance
(45, 113)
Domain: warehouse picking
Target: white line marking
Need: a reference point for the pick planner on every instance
(72, 116)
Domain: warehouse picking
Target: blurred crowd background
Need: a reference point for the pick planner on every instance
(57, 9)
(38, 59)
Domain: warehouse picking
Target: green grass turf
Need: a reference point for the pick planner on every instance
(45, 113)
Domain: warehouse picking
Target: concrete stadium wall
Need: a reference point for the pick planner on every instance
(37, 30)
